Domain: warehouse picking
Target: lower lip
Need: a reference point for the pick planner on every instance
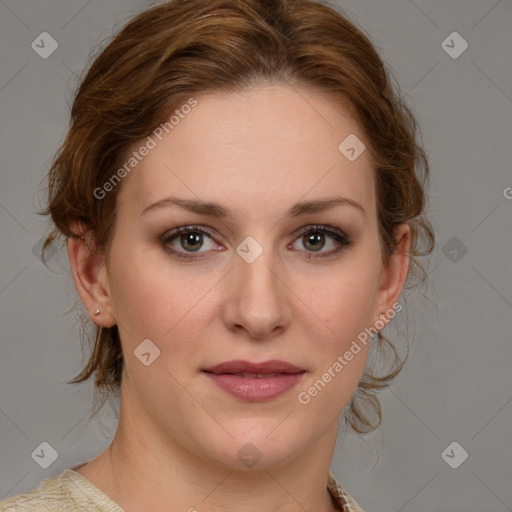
(254, 389)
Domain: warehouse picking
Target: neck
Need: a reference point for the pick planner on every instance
(144, 469)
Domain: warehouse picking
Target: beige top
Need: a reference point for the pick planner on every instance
(70, 491)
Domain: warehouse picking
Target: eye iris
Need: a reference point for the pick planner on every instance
(191, 239)
(314, 240)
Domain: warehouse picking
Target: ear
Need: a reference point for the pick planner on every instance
(393, 276)
(90, 276)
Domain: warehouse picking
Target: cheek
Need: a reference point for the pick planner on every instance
(166, 305)
(150, 301)
(347, 305)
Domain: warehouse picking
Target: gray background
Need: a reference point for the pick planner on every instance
(457, 384)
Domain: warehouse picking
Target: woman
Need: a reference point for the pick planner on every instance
(242, 197)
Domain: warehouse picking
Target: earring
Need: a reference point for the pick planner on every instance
(97, 312)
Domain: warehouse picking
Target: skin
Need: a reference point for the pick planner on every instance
(257, 153)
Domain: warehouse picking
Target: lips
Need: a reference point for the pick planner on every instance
(255, 381)
(263, 368)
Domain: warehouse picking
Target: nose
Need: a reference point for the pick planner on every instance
(257, 298)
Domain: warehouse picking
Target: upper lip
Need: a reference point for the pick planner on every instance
(239, 366)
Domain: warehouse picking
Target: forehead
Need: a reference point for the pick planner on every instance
(269, 144)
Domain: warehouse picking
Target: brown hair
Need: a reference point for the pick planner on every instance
(182, 47)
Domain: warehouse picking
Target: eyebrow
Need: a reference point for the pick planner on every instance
(216, 210)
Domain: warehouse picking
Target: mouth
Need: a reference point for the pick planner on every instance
(273, 367)
(253, 375)
(255, 381)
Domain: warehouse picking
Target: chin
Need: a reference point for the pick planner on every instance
(256, 449)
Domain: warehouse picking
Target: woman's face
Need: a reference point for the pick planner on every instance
(266, 269)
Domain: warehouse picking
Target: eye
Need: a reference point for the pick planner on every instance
(187, 241)
(188, 238)
(316, 238)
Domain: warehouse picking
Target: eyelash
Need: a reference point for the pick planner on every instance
(339, 236)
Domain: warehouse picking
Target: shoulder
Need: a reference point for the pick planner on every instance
(49, 496)
(68, 491)
(343, 498)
